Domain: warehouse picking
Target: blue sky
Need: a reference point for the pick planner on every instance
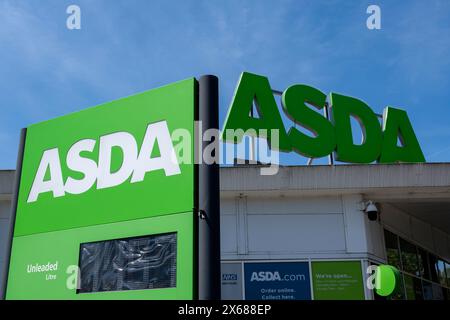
(129, 46)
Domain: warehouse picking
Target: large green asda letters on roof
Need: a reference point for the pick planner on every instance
(104, 173)
(392, 141)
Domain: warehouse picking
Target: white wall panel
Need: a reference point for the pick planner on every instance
(397, 220)
(355, 224)
(296, 233)
(294, 205)
(2, 267)
(422, 233)
(5, 209)
(440, 242)
(4, 225)
(227, 206)
(375, 239)
(228, 235)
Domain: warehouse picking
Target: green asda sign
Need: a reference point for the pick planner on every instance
(333, 135)
(105, 209)
(337, 280)
(135, 164)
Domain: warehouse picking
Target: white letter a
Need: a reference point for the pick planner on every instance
(156, 133)
(50, 160)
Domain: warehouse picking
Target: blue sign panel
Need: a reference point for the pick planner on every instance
(277, 281)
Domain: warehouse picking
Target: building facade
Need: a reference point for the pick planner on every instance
(304, 233)
(314, 215)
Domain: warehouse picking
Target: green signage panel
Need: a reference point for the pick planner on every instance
(107, 159)
(104, 197)
(337, 280)
(34, 255)
(390, 141)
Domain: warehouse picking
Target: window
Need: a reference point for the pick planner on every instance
(413, 288)
(392, 252)
(409, 257)
(427, 290)
(400, 294)
(424, 264)
(129, 264)
(438, 292)
(447, 271)
(440, 266)
(424, 275)
(433, 267)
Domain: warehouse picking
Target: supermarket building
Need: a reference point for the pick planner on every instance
(304, 233)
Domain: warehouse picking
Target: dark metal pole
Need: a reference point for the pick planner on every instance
(208, 196)
(12, 220)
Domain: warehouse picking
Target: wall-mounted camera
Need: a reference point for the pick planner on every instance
(371, 210)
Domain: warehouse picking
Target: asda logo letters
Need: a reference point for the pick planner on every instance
(135, 163)
(391, 141)
(275, 276)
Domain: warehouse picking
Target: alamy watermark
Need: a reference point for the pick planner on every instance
(373, 22)
(73, 21)
(260, 146)
(383, 280)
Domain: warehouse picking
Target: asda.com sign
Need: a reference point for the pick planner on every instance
(276, 276)
(277, 281)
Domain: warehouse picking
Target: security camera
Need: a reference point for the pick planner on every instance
(372, 211)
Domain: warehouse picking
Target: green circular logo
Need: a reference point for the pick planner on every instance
(386, 280)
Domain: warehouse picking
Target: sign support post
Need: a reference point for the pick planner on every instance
(208, 195)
